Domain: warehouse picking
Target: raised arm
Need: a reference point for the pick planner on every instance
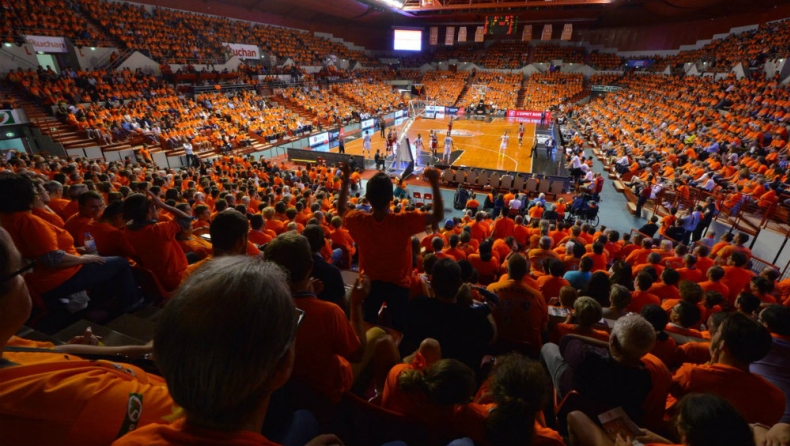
(162, 205)
(438, 203)
(342, 201)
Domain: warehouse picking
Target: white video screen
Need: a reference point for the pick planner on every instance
(407, 40)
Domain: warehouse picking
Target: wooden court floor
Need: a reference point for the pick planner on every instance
(479, 141)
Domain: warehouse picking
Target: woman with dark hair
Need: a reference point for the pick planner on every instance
(702, 420)
(436, 391)
(620, 273)
(520, 388)
(62, 274)
(665, 347)
(598, 288)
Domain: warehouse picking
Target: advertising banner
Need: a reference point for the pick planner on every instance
(434, 39)
(317, 140)
(480, 33)
(242, 51)
(47, 44)
(12, 117)
(567, 31)
(449, 36)
(462, 34)
(546, 35)
(529, 114)
(526, 35)
(368, 123)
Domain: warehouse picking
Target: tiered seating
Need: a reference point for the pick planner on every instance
(504, 54)
(322, 104)
(375, 97)
(548, 52)
(444, 86)
(464, 53)
(605, 61)
(47, 18)
(417, 60)
(604, 78)
(545, 90)
(503, 89)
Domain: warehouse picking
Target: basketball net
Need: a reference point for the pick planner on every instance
(481, 90)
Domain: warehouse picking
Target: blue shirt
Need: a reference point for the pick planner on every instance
(578, 279)
(775, 367)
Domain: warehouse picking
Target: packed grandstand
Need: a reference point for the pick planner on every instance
(169, 276)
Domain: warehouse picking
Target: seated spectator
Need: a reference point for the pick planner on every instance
(703, 420)
(223, 385)
(163, 256)
(550, 284)
(665, 346)
(641, 297)
(739, 342)
(609, 375)
(81, 402)
(333, 289)
(62, 275)
(579, 279)
(327, 337)
(522, 313)
(586, 313)
(619, 298)
(775, 367)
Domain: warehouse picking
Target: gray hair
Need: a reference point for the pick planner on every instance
(221, 338)
(632, 337)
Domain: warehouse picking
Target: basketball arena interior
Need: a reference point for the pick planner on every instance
(395, 222)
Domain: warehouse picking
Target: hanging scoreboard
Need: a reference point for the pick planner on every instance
(501, 24)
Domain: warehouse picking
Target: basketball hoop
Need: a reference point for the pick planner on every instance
(481, 89)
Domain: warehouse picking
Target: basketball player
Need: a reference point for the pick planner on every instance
(505, 138)
(448, 146)
(418, 144)
(434, 143)
(450, 127)
(366, 144)
(520, 133)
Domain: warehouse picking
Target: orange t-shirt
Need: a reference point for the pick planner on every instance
(35, 237)
(665, 350)
(737, 280)
(758, 400)
(163, 255)
(385, 246)
(641, 298)
(76, 225)
(693, 353)
(259, 237)
(549, 286)
(563, 329)
(80, 402)
(522, 313)
(179, 433)
(111, 241)
(49, 216)
(324, 343)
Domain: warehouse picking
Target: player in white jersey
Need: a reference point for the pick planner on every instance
(505, 138)
(366, 144)
(418, 144)
(448, 146)
(520, 133)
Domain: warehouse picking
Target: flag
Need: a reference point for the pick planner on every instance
(434, 35)
(462, 34)
(546, 35)
(567, 31)
(449, 36)
(480, 33)
(527, 34)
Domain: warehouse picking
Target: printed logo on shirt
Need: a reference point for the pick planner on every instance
(134, 410)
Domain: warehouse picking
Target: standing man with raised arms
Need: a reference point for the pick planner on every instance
(384, 242)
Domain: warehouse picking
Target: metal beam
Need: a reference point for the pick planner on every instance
(417, 6)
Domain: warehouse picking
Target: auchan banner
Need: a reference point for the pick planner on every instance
(47, 44)
(242, 51)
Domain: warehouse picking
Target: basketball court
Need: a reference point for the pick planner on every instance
(476, 142)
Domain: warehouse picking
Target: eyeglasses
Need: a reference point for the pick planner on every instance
(299, 317)
(30, 266)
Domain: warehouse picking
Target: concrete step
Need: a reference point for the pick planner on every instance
(133, 326)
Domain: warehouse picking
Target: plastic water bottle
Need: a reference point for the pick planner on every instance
(90, 244)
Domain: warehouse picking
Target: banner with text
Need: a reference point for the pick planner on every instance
(526, 35)
(529, 114)
(480, 33)
(462, 34)
(47, 44)
(12, 117)
(449, 36)
(546, 35)
(242, 51)
(567, 31)
(434, 40)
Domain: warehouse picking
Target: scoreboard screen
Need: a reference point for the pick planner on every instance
(501, 24)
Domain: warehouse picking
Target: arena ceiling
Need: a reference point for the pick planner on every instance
(585, 13)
